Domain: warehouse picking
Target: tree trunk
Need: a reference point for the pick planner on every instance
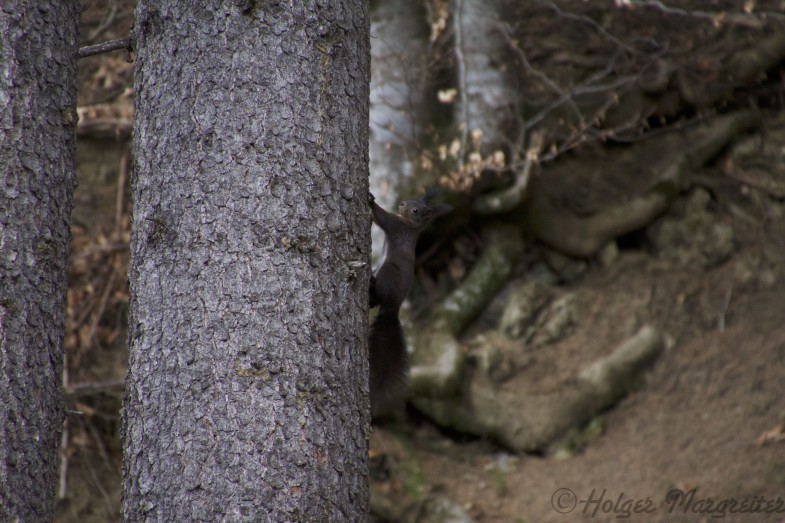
(38, 46)
(247, 394)
(486, 84)
(399, 63)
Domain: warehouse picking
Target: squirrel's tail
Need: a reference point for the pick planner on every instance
(389, 364)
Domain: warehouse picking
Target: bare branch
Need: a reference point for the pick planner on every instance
(108, 20)
(509, 198)
(94, 386)
(105, 47)
(563, 95)
(744, 19)
(590, 21)
(724, 309)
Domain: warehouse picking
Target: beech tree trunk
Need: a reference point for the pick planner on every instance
(485, 78)
(38, 46)
(399, 109)
(247, 393)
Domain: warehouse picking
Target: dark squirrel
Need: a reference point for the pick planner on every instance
(389, 287)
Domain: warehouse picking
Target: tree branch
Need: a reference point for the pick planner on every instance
(105, 47)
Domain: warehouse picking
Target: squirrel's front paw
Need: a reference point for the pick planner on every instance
(371, 198)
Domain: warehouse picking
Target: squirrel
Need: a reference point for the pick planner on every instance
(389, 286)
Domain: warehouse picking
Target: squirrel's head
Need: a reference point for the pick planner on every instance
(420, 212)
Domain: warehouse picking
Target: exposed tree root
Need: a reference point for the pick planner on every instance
(583, 236)
(438, 359)
(530, 422)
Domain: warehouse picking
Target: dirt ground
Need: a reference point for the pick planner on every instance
(704, 430)
(709, 417)
(699, 422)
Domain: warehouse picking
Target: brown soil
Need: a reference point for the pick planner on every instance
(698, 422)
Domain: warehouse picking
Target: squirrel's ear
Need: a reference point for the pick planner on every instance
(438, 210)
(430, 194)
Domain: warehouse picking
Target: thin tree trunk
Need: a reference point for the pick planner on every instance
(248, 378)
(399, 51)
(38, 46)
(486, 82)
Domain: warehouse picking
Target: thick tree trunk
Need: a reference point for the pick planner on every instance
(248, 380)
(38, 46)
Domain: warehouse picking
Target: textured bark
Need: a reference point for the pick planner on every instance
(247, 394)
(38, 46)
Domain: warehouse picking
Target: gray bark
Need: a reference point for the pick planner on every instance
(38, 46)
(247, 394)
(487, 92)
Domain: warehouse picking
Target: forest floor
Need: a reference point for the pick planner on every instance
(709, 418)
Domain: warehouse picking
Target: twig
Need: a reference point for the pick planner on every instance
(99, 312)
(120, 194)
(63, 488)
(86, 426)
(563, 95)
(587, 132)
(63, 482)
(590, 21)
(105, 22)
(770, 186)
(744, 19)
(569, 97)
(676, 126)
(724, 309)
(92, 386)
(511, 197)
(531, 158)
(104, 47)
